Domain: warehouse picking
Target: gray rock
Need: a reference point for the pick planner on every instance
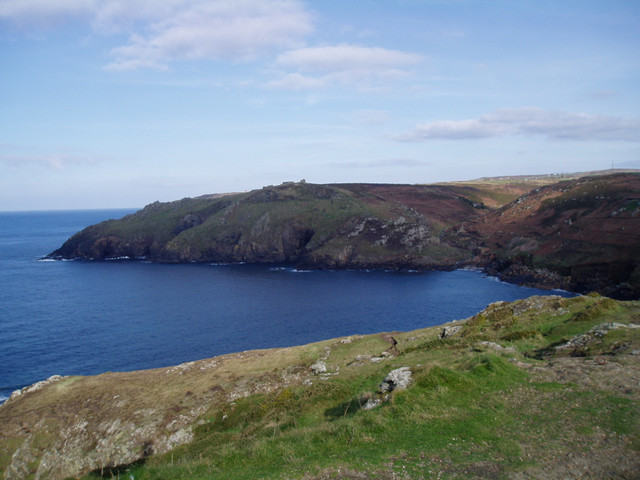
(397, 379)
(318, 367)
(450, 331)
(599, 331)
(372, 403)
(36, 386)
(485, 345)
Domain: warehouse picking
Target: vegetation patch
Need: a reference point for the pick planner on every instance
(468, 412)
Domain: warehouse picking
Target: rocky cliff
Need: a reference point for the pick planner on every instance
(331, 226)
(581, 234)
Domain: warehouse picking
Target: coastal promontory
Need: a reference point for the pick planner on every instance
(580, 233)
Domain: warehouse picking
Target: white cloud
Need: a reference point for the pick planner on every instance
(323, 66)
(297, 81)
(43, 11)
(345, 57)
(238, 30)
(103, 15)
(171, 30)
(556, 125)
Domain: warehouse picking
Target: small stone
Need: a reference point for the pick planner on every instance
(482, 346)
(318, 367)
(450, 331)
(371, 404)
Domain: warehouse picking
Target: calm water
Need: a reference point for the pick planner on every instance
(86, 318)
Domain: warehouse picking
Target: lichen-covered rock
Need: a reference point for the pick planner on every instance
(35, 386)
(372, 403)
(450, 331)
(581, 341)
(398, 379)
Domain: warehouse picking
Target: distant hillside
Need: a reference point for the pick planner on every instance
(542, 388)
(351, 225)
(581, 234)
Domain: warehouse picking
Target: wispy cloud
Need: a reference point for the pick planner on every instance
(555, 125)
(159, 33)
(384, 163)
(297, 81)
(314, 67)
(54, 161)
(103, 15)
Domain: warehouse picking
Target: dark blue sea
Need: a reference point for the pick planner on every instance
(75, 317)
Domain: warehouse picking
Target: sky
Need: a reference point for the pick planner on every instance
(119, 103)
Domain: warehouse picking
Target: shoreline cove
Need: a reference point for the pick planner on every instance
(85, 318)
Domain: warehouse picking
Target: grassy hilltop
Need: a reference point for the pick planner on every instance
(581, 234)
(545, 387)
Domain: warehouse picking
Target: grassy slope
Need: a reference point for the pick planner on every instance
(580, 234)
(470, 412)
(335, 225)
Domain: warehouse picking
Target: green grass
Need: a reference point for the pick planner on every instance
(465, 411)
(468, 413)
(266, 436)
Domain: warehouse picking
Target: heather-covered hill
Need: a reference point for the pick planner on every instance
(351, 225)
(582, 234)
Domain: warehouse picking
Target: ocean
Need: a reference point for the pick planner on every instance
(85, 318)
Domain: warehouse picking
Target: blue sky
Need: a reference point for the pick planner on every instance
(118, 103)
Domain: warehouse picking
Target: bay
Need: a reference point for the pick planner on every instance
(84, 318)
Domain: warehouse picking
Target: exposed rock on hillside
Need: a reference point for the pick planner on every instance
(582, 235)
(355, 225)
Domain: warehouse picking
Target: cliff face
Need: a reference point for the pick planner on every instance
(319, 225)
(581, 234)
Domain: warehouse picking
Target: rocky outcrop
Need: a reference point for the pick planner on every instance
(318, 367)
(450, 330)
(396, 380)
(580, 235)
(577, 345)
